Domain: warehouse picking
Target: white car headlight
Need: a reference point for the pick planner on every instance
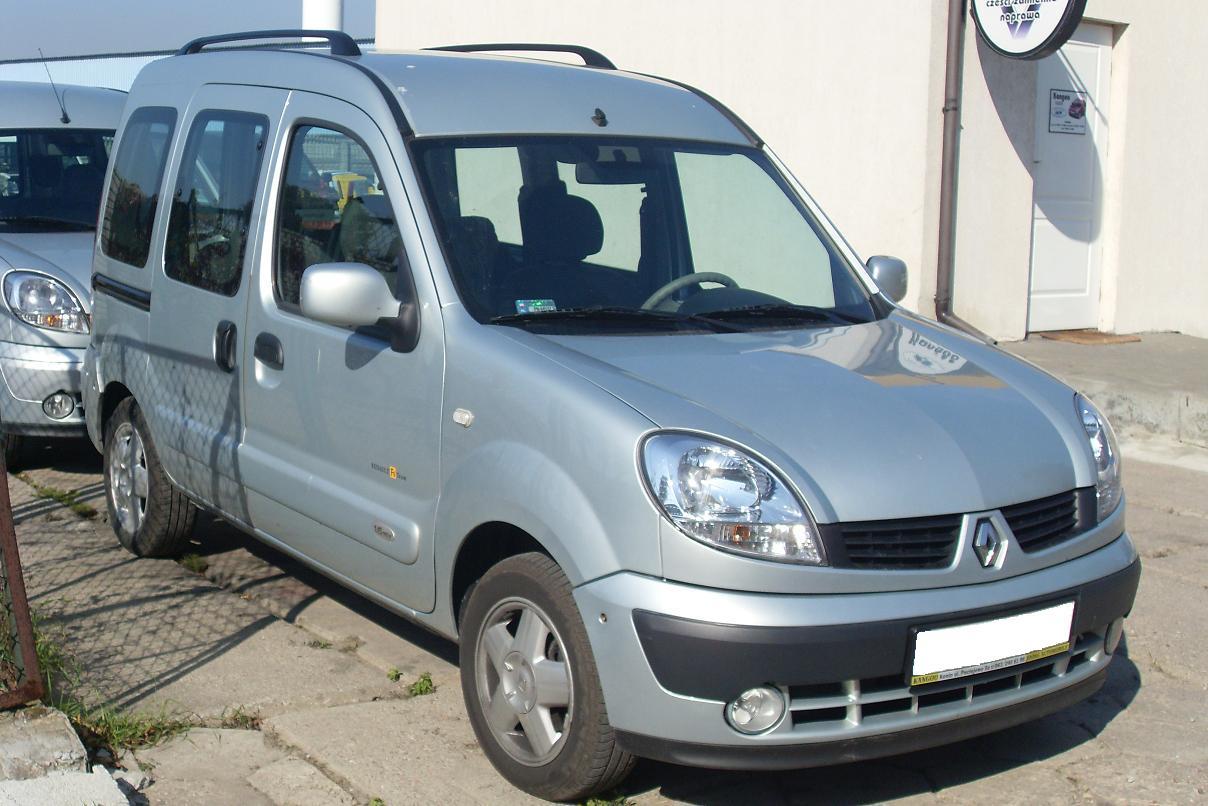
(44, 302)
(1108, 488)
(727, 499)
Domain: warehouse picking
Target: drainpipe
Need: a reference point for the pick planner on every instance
(949, 165)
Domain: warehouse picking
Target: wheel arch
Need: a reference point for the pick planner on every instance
(485, 546)
(115, 392)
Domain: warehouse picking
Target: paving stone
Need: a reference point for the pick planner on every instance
(415, 751)
(94, 788)
(208, 766)
(292, 782)
(37, 741)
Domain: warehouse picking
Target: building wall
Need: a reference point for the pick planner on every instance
(845, 93)
(1158, 164)
(850, 96)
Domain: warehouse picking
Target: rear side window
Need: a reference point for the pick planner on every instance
(212, 201)
(133, 197)
(333, 209)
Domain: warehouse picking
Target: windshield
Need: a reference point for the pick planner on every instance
(587, 234)
(51, 179)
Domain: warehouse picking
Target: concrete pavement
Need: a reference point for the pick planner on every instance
(1156, 386)
(260, 632)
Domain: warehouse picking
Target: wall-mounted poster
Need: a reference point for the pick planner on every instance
(1067, 112)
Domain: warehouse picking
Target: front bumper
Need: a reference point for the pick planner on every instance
(31, 373)
(670, 656)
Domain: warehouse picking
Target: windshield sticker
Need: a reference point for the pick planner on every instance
(535, 305)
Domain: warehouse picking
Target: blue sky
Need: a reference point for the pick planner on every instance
(75, 27)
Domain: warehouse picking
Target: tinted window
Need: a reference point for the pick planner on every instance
(333, 209)
(612, 223)
(212, 202)
(134, 188)
(51, 179)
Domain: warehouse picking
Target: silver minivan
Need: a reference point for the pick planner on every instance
(561, 362)
(54, 148)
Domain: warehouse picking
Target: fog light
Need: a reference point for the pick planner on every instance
(756, 710)
(1111, 639)
(58, 405)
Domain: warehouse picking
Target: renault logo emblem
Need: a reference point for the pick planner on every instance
(987, 543)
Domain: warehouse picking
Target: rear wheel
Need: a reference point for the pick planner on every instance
(530, 683)
(149, 515)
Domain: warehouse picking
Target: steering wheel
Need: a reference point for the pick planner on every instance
(683, 282)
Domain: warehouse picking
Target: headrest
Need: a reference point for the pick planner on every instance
(82, 181)
(473, 230)
(557, 226)
(45, 170)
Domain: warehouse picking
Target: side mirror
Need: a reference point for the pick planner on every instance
(890, 275)
(354, 295)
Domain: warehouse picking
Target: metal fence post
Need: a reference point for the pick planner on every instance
(20, 678)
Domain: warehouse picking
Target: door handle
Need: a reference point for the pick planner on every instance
(269, 351)
(224, 345)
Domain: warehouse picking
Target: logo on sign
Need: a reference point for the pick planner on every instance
(1027, 30)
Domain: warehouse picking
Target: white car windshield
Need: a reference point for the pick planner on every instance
(51, 179)
(590, 234)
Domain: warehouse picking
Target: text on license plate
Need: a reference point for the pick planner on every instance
(968, 649)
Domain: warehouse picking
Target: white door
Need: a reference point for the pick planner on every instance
(1072, 117)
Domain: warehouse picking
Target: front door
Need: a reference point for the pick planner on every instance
(1072, 116)
(195, 408)
(341, 456)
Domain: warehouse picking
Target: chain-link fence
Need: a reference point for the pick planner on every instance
(20, 680)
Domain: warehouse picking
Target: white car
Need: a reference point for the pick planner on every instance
(54, 149)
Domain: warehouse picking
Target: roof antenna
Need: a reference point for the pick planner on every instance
(54, 89)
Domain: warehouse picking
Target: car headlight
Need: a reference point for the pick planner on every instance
(44, 302)
(727, 499)
(1107, 456)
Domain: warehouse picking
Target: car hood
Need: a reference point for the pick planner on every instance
(888, 419)
(64, 255)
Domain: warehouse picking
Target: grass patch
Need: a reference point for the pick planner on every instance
(319, 643)
(376, 802)
(99, 726)
(68, 498)
(110, 728)
(422, 686)
(240, 719)
(195, 563)
(605, 800)
(394, 674)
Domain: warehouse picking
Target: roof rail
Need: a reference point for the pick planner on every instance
(341, 43)
(591, 58)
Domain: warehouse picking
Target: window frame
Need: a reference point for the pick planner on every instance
(170, 115)
(405, 279)
(188, 160)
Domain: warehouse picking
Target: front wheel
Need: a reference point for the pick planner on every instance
(530, 683)
(149, 515)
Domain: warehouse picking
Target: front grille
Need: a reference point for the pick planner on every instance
(1045, 522)
(888, 703)
(906, 543)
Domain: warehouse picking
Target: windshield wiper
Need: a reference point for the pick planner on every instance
(787, 312)
(601, 313)
(45, 219)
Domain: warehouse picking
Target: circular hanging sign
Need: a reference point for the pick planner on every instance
(1027, 29)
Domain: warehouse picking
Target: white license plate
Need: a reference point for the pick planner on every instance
(947, 653)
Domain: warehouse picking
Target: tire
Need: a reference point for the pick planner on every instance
(14, 451)
(583, 758)
(150, 517)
